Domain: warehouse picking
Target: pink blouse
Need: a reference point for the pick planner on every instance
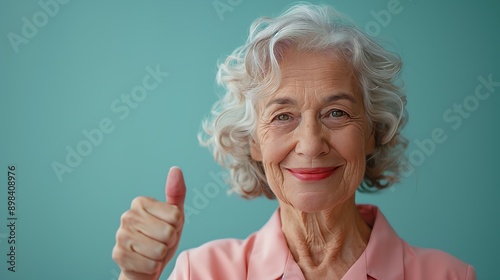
(265, 255)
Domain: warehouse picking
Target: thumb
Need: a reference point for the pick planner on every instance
(175, 188)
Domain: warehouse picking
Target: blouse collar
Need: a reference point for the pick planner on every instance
(382, 258)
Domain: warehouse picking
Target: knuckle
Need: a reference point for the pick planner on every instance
(169, 232)
(138, 202)
(176, 213)
(173, 240)
(161, 251)
(118, 255)
(128, 218)
(122, 237)
(171, 236)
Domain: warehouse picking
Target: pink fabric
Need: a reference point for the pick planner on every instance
(265, 255)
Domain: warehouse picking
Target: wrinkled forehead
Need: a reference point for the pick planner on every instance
(313, 75)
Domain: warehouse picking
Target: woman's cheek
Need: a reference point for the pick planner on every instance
(353, 153)
(275, 142)
(272, 156)
(275, 146)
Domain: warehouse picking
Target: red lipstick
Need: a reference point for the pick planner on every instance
(312, 174)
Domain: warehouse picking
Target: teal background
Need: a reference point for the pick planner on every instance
(66, 77)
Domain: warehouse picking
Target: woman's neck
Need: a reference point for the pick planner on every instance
(326, 243)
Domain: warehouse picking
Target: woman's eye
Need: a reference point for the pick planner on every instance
(337, 113)
(282, 117)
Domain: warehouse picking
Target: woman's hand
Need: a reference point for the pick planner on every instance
(150, 232)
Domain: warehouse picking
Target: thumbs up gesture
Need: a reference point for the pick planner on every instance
(150, 232)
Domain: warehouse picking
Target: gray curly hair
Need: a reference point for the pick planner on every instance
(253, 70)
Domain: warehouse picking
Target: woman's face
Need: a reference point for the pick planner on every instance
(312, 135)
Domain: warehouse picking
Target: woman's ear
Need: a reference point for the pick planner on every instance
(255, 151)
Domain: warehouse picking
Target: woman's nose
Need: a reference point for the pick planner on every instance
(310, 138)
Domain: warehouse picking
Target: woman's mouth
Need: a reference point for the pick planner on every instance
(312, 174)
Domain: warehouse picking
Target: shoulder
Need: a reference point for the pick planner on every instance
(232, 258)
(402, 260)
(225, 251)
(218, 259)
(423, 263)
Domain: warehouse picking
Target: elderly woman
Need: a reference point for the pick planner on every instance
(312, 113)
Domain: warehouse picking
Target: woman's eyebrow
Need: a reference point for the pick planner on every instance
(340, 96)
(280, 101)
(328, 99)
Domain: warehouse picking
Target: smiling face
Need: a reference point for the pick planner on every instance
(312, 135)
